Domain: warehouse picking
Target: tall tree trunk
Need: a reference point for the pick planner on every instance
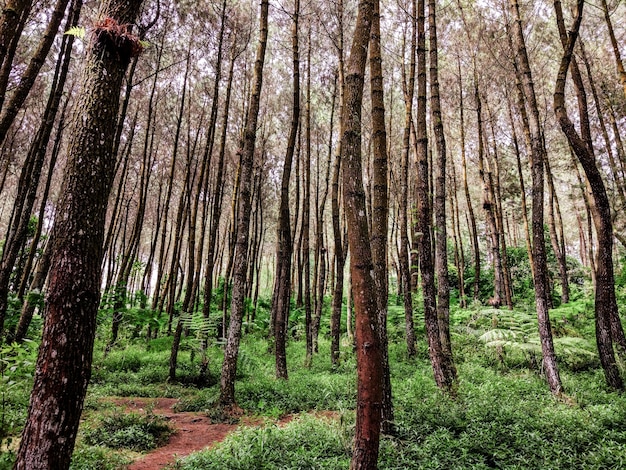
(369, 359)
(340, 255)
(380, 212)
(306, 214)
(468, 200)
(489, 204)
(605, 301)
(14, 16)
(216, 210)
(284, 245)
(27, 79)
(557, 244)
(64, 362)
(520, 175)
(408, 85)
(444, 375)
(459, 250)
(441, 242)
(31, 171)
(231, 352)
(615, 45)
(539, 253)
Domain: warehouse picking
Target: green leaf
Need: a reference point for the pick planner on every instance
(77, 31)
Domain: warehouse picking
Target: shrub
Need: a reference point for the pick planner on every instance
(306, 443)
(129, 431)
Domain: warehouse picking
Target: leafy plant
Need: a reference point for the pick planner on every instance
(129, 431)
(16, 367)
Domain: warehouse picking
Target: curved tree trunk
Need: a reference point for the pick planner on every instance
(605, 301)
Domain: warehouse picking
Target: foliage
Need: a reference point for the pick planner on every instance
(98, 458)
(17, 363)
(129, 431)
(305, 443)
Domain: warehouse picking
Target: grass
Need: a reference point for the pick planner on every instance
(502, 417)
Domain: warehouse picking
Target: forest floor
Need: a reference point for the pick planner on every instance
(192, 431)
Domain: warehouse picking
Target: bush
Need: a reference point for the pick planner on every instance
(129, 431)
(305, 443)
(98, 458)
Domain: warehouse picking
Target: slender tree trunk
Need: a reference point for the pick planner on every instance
(380, 212)
(31, 172)
(284, 245)
(468, 199)
(605, 301)
(231, 352)
(340, 255)
(615, 45)
(537, 169)
(520, 174)
(306, 214)
(408, 86)
(444, 375)
(27, 79)
(441, 242)
(216, 211)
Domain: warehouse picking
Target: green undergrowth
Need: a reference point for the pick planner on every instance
(503, 415)
(132, 431)
(498, 420)
(305, 443)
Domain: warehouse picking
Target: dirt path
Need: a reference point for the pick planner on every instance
(193, 431)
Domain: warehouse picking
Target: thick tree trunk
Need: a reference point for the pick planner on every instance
(369, 359)
(64, 363)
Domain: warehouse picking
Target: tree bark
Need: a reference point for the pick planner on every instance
(441, 234)
(369, 359)
(284, 245)
(442, 370)
(605, 301)
(408, 85)
(380, 212)
(537, 169)
(64, 362)
(240, 265)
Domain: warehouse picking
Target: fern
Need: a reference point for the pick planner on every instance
(76, 31)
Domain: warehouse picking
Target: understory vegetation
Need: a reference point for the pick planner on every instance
(502, 416)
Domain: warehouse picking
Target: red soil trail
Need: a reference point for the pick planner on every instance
(193, 431)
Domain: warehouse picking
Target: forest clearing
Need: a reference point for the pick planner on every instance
(357, 234)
